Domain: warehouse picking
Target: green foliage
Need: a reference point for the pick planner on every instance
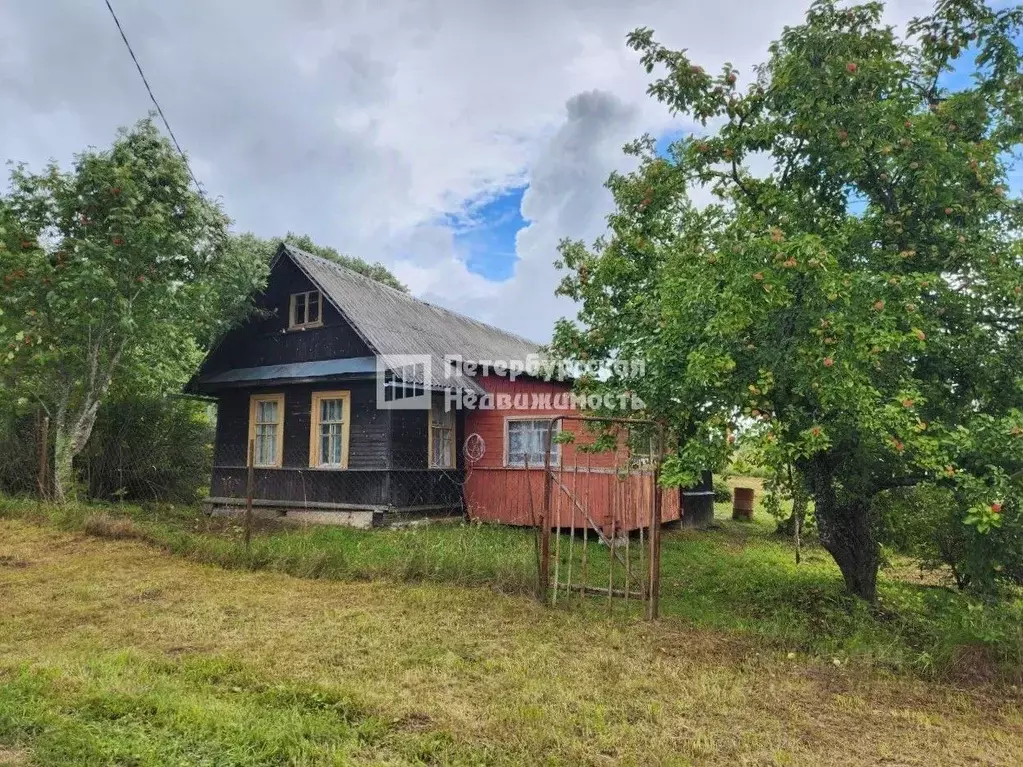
(115, 274)
(115, 265)
(722, 493)
(861, 299)
(149, 449)
(746, 461)
(19, 453)
(927, 523)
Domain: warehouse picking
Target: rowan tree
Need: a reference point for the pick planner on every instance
(115, 272)
(859, 297)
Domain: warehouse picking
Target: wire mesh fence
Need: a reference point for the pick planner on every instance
(587, 487)
(140, 449)
(23, 464)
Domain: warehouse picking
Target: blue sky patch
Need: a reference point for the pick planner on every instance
(665, 142)
(486, 235)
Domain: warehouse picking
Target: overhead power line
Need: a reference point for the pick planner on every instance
(152, 97)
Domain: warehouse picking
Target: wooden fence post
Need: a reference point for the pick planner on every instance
(44, 454)
(249, 481)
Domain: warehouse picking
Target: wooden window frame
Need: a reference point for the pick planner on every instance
(279, 441)
(292, 324)
(645, 459)
(507, 441)
(429, 435)
(314, 428)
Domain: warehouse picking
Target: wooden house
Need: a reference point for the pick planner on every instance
(344, 391)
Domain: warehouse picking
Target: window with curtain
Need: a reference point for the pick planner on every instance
(328, 440)
(527, 439)
(442, 437)
(266, 429)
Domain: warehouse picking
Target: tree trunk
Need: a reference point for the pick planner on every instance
(72, 431)
(800, 505)
(844, 528)
(63, 464)
(69, 440)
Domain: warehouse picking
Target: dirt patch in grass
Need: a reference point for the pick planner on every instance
(13, 757)
(260, 668)
(9, 561)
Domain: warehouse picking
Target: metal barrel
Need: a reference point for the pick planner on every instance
(742, 503)
(698, 502)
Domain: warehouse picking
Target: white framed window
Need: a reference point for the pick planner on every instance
(305, 310)
(526, 439)
(441, 439)
(328, 429)
(266, 429)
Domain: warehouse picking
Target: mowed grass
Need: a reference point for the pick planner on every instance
(737, 577)
(115, 652)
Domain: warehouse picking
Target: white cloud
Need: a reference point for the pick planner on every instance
(365, 124)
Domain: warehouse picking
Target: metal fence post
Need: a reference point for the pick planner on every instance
(655, 534)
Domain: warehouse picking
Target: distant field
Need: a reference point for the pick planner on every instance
(114, 652)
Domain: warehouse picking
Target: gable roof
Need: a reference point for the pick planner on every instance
(394, 323)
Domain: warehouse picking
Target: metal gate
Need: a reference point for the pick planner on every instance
(611, 499)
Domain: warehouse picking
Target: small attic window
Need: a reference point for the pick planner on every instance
(305, 310)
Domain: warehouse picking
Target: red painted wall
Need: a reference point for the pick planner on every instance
(587, 485)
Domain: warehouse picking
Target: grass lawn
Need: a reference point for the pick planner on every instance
(421, 646)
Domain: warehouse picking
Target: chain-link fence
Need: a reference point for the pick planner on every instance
(23, 464)
(377, 467)
(140, 449)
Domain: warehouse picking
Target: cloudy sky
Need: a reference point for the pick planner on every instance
(456, 141)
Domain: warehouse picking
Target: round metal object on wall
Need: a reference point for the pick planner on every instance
(474, 448)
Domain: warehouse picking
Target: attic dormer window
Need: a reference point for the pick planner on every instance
(305, 310)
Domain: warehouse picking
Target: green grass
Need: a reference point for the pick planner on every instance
(737, 577)
(125, 708)
(118, 652)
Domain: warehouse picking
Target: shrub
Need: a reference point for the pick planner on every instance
(722, 493)
(927, 523)
(149, 448)
(19, 451)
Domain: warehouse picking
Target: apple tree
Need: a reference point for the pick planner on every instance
(833, 255)
(115, 272)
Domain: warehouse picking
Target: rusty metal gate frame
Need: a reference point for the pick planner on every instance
(650, 592)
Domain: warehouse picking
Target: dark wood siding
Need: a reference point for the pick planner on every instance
(265, 339)
(408, 439)
(387, 454)
(369, 432)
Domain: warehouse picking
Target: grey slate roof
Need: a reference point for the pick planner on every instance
(394, 323)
